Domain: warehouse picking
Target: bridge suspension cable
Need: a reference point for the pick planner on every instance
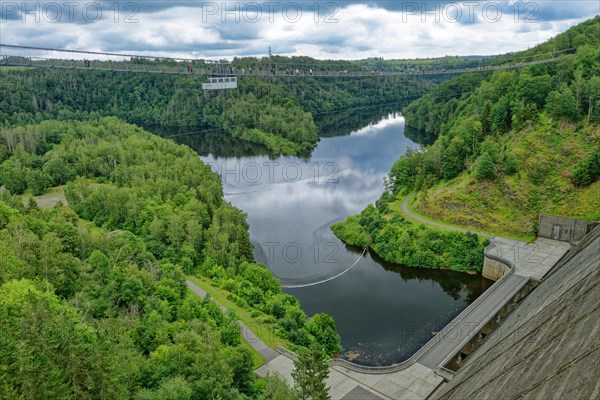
(19, 61)
(265, 69)
(104, 53)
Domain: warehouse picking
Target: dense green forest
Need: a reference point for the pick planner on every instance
(499, 147)
(93, 298)
(399, 241)
(277, 112)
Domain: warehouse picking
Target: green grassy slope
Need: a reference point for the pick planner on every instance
(509, 205)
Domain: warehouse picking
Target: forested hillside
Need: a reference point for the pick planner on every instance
(277, 112)
(518, 143)
(505, 146)
(93, 299)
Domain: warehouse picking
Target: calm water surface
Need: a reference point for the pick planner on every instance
(383, 312)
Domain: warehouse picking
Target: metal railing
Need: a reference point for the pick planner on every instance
(153, 68)
(287, 353)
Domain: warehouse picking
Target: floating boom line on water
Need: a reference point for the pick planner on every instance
(328, 279)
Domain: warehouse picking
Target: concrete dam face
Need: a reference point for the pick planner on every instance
(549, 346)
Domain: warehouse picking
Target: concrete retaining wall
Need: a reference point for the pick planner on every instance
(493, 269)
(564, 229)
(494, 265)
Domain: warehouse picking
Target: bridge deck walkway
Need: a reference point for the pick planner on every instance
(126, 67)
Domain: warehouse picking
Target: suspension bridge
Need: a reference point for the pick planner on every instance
(21, 56)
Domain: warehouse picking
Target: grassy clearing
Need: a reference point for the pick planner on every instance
(48, 199)
(265, 330)
(489, 229)
(396, 207)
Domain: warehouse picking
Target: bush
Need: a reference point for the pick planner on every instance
(14, 177)
(351, 232)
(587, 171)
(510, 164)
(38, 181)
(322, 327)
(562, 104)
(277, 309)
(486, 169)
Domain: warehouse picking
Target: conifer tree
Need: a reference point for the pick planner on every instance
(311, 371)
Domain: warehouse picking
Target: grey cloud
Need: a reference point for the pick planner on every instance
(540, 9)
(242, 31)
(244, 38)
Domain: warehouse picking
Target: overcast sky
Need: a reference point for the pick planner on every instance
(336, 29)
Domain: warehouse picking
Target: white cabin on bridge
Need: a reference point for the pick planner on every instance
(227, 82)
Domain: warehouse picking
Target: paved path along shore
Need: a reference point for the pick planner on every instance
(249, 336)
(407, 211)
(414, 382)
